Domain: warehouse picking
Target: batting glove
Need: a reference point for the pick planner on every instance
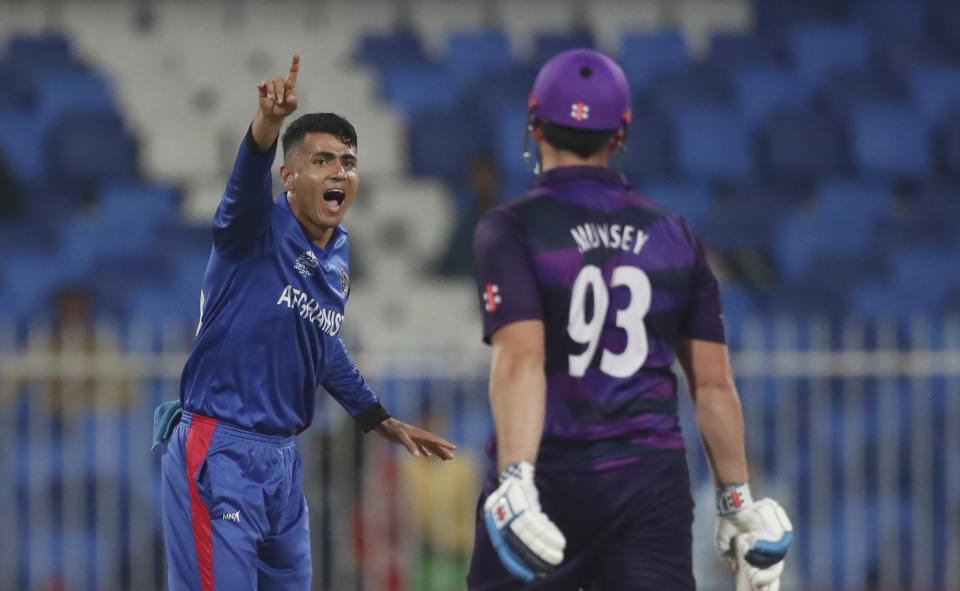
(753, 537)
(527, 542)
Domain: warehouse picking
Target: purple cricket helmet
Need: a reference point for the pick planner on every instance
(583, 89)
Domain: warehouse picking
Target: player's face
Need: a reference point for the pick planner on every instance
(321, 180)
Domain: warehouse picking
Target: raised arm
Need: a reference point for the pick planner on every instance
(244, 211)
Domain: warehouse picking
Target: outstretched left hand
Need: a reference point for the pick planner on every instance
(417, 441)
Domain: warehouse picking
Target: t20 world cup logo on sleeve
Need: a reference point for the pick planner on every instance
(344, 282)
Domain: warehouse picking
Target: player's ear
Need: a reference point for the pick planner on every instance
(537, 134)
(286, 175)
(614, 142)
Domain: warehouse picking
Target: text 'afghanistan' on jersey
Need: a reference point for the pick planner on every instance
(617, 281)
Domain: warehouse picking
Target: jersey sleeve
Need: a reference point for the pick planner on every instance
(243, 215)
(704, 318)
(506, 283)
(343, 381)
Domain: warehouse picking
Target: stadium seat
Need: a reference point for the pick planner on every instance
(764, 90)
(801, 144)
(21, 142)
(903, 51)
(948, 146)
(890, 142)
(643, 56)
(842, 92)
(39, 50)
(85, 241)
(691, 200)
(140, 205)
(90, 148)
(508, 129)
(63, 93)
(744, 216)
(936, 91)
(713, 144)
(841, 224)
(819, 49)
(412, 87)
(384, 50)
(694, 86)
(471, 55)
(890, 16)
(649, 146)
(731, 50)
(547, 45)
(442, 142)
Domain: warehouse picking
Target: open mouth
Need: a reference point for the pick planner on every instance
(334, 198)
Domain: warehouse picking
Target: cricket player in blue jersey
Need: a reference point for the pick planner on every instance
(589, 293)
(272, 307)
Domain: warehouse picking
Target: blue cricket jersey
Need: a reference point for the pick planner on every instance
(272, 307)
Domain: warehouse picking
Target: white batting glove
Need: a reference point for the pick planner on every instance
(527, 542)
(753, 537)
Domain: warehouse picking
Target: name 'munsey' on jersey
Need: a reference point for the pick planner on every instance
(310, 309)
(624, 237)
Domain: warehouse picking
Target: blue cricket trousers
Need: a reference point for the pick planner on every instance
(234, 514)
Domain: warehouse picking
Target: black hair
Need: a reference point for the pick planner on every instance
(582, 142)
(330, 123)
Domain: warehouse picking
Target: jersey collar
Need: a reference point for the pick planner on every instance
(566, 174)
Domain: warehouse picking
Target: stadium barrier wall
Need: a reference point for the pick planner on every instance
(854, 427)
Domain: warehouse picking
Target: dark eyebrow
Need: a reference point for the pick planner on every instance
(332, 156)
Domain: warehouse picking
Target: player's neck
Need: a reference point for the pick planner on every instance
(550, 159)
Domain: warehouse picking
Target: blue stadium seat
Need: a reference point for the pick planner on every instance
(86, 241)
(90, 148)
(936, 91)
(442, 142)
(30, 278)
(890, 142)
(691, 200)
(890, 16)
(649, 146)
(117, 276)
(472, 54)
(175, 236)
(73, 92)
(763, 90)
(39, 50)
(139, 205)
(948, 146)
(902, 52)
(730, 50)
(162, 305)
(800, 144)
(394, 48)
(508, 129)
(547, 45)
(412, 87)
(745, 215)
(840, 225)
(853, 202)
(713, 144)
(644, 56)
(21, 142)
(843, 92)
(819, 49)
(695, 86)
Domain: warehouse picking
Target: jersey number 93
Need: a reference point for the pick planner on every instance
(630, 319)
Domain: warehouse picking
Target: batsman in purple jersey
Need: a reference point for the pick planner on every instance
(590, 293)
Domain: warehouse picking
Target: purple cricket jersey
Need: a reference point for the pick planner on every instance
(617, 281)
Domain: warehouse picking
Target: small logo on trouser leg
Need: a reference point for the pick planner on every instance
(235, 517)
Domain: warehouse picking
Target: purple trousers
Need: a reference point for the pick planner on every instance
(627, 529)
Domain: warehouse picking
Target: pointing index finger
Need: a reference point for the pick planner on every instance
(294, 70)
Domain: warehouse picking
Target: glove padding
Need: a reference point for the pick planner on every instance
(527, 542)
(753, 538)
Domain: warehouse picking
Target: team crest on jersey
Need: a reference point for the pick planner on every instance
(344, 282)
(306, 263)
(491, 297)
